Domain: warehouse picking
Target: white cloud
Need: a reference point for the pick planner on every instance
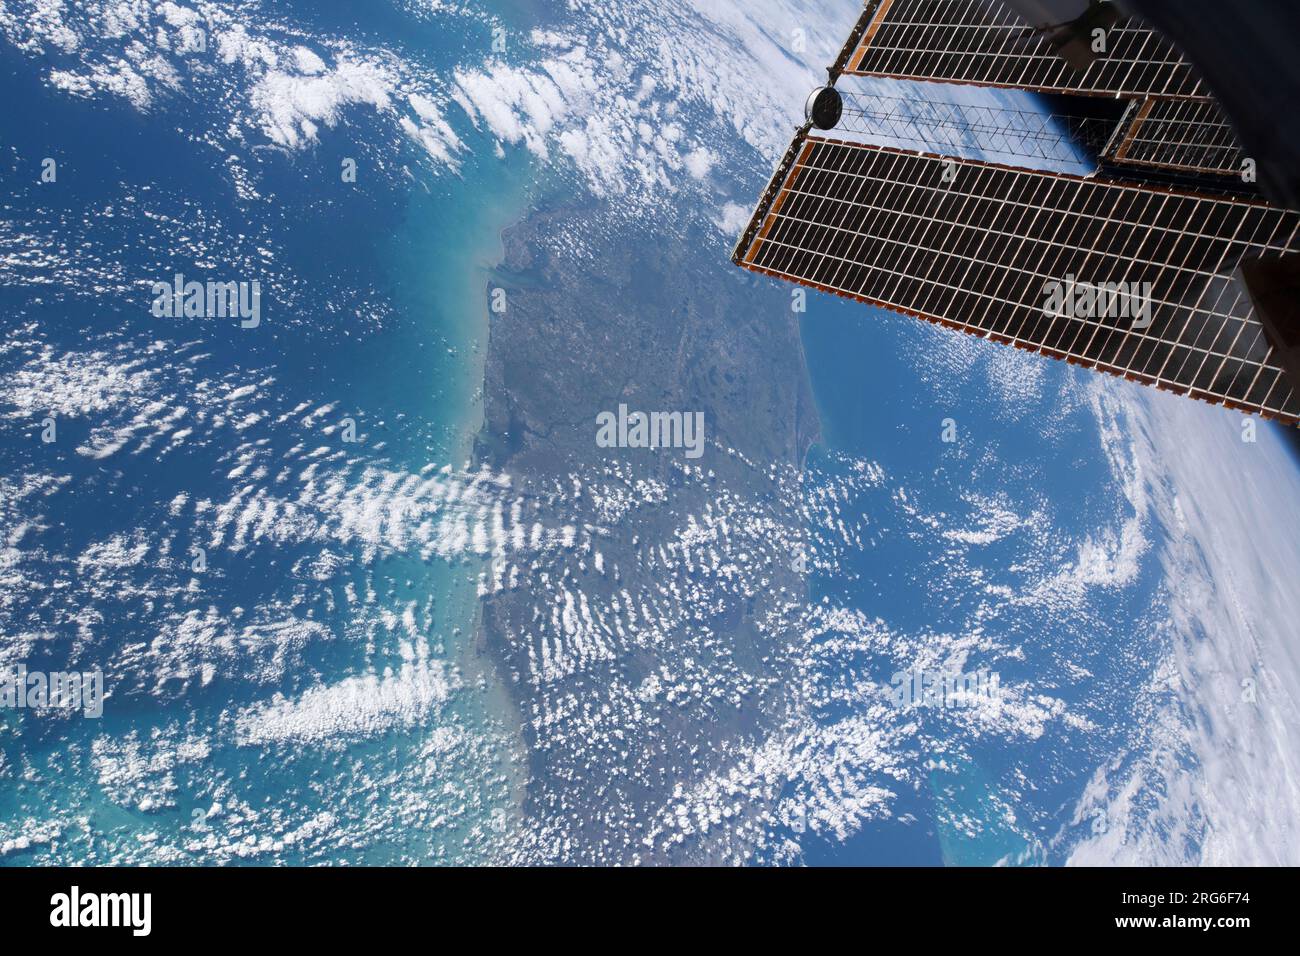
(292, 105)
(353, 707)
(699, 161)
(1216, 779)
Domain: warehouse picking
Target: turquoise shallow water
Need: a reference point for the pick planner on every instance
(377, 312)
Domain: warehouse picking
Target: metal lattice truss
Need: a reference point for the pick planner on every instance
(954, 128)
(1175, 124)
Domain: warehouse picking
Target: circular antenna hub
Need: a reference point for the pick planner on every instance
(824, 107)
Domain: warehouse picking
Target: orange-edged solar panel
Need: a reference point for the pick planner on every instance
(977, 247)
(986, 43)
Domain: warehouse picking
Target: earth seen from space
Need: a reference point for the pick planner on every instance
(362, 584)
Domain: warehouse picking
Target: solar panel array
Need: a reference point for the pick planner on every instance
(977, 246)
(985, 43)
(1189, 135)
(989, 249)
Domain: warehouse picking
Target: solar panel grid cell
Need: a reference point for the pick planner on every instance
(1191, 135)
